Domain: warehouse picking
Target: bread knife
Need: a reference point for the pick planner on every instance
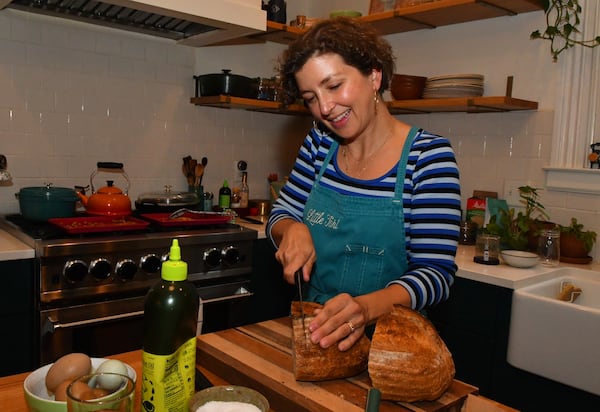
(302, 315)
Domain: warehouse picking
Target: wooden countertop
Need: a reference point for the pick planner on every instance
(259, 356)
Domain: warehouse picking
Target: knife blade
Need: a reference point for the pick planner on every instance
(302, 314)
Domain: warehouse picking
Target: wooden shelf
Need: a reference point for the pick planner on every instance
(405, 19)
(483, 104)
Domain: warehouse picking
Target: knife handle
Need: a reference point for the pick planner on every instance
(373, 400)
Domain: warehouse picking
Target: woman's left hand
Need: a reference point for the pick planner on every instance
(342, 319)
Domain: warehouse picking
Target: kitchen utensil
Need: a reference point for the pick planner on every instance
(198, 173)
(549, 247)
(45, 202)
(167, 201)
(203, 162)
(487, 249)
(373, 400)
(108, 200)
(116, 392)
(227, 84)
(182, 211)
(302, 314)
(407, 87)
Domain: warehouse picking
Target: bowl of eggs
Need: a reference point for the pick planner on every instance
(228, 398)
(45, 388)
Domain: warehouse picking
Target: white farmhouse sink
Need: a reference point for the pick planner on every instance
(556, 339)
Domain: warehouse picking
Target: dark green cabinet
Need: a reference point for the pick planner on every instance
(16, 316)
(272, 295)
(475, 324)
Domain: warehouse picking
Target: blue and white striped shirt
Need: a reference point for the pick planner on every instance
(431, 203)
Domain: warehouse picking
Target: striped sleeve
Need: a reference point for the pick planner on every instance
(432, 219)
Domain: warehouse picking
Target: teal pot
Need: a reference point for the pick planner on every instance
(44, 202)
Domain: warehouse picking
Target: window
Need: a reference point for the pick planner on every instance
(577, 115)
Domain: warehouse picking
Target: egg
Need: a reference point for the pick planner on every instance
(111, 366)
(60, 393)
(69, 367)
(78, 391)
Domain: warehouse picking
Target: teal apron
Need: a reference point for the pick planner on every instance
(359, 241)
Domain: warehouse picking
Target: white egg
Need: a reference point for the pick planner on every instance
(110, 382)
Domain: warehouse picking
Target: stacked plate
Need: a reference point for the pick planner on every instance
(453, 85)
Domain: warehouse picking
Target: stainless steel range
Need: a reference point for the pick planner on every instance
(90, 288)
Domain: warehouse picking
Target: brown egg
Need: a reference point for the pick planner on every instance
(79, 390)
(69, 367)
(60, 394)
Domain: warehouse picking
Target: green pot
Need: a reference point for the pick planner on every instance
(44, 202)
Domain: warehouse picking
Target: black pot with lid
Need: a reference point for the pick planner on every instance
(167, 201)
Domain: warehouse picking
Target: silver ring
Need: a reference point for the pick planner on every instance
(351, 326)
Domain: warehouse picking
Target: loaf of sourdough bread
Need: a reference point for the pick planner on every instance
(313, 363)
(408, 360)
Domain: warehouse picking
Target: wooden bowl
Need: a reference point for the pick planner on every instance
(407, 87)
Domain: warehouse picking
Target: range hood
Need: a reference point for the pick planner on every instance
(189, 22)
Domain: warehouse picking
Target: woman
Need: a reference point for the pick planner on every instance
(363, 239)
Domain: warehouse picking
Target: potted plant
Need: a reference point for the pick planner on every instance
(562, 21)
(574, 241)
(519, 230)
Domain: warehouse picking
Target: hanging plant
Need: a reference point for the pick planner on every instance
(562, 20)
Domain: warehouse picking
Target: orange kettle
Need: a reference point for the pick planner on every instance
(108, 200)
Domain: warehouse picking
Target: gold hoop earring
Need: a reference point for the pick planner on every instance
(376, 100)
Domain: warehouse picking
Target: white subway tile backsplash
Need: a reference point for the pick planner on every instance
(79, 95)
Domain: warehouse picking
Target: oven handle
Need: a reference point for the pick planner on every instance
(52, 324)
(239, 294)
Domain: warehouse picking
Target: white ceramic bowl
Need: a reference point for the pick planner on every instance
(229, 394)
(519, 258)
(37, 396)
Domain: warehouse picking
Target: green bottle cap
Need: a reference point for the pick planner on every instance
(225, 184)
(174, 269)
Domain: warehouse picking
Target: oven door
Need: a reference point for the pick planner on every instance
(109, 327)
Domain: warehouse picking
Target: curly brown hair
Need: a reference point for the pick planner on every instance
(358, 43)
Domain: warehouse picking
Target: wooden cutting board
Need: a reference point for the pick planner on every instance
(259, 356)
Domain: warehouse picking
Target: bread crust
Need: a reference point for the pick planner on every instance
(408, 360)
(311, 362)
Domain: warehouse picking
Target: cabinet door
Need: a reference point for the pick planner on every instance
(473, 323)
(272, 295)
(16, 316)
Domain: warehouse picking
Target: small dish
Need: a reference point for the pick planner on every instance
(229, 393)
(519, 258)
(37, 397)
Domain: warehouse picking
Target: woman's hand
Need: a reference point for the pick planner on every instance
(342, 319)
(296, 249)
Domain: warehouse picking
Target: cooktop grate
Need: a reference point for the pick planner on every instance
(109, 15)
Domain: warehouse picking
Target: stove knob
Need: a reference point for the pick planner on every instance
(212, 257)
(75, 270)
(150, 263)
(126, 269)
(231, 255)
(100, 268)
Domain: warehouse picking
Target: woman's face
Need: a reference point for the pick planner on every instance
(338, 94)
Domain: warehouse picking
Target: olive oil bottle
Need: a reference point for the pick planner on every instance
(169, 348)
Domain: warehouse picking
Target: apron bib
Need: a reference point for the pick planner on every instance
(359, 241)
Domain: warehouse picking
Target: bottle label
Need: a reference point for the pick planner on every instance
(168, 380)
(224, 201)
